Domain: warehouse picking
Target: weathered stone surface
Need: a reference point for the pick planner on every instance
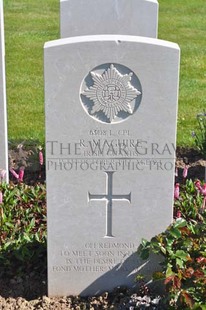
(92, 17)
(111, 107)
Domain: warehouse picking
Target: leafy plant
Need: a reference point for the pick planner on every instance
(183, 246)
(200, 137)
(23, 228)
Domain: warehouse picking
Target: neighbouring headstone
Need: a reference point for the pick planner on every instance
(3, 110)
(111, 107)
(92, 17)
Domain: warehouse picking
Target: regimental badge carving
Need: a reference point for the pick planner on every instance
(111, 93)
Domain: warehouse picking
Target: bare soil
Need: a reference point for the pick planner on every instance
(26, 156)
(195, 162)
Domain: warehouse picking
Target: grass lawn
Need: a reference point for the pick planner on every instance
(184, 22)
(30, 23)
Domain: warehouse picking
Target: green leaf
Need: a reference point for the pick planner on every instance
(9, 224)
(7, 244)
(32, 223)
(169, 271)
(180, 222)
(37, 237)
(175, 232)
(170, 242)
(182, 254)
(145, 242)
(144, 254)
(192, 228)
(163, 250)
(179, 262)
(158, 275)
(26, 237)
(139, 277)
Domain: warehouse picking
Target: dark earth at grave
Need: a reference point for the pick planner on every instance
(25, 155)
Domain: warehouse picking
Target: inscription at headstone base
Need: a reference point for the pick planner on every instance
(3, 111)
(124, 17)
(111, 106)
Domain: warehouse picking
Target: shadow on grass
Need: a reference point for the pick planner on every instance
(23, 271)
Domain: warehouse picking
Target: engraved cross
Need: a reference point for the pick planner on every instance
(109, 197)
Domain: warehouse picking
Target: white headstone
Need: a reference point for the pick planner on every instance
(111, 107)
(91, 17)
(3, 111)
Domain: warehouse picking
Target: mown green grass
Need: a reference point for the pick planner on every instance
(184, 22)
(30, 23)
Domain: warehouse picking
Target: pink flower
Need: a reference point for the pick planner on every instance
(21, 174)
(177, 191)
(203, 192)
(185, 172)
(198, 185)
(203, 189)
(3, 174)
(201, 260)
(179, 214)
(41, 158)
(1, 198)
(204, 203)
(14, 173)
